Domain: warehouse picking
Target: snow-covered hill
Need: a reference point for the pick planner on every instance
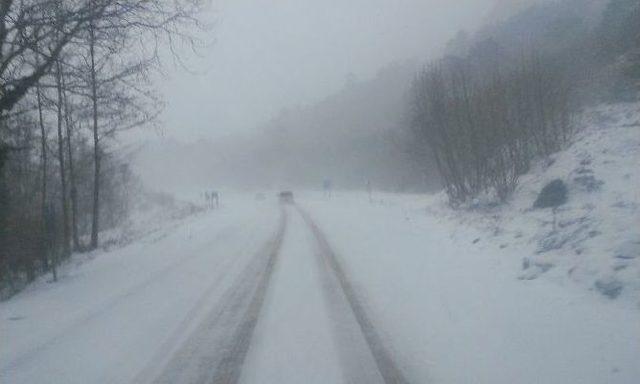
(594, 239)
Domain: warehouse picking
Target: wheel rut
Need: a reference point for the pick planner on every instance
(216, 349)
(383, 357)
(215, 352)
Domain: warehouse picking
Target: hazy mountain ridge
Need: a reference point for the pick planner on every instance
(351, 137)
(360, 133)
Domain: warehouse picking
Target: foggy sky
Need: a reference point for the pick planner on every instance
(272, 54)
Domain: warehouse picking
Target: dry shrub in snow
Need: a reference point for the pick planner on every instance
(485, 124)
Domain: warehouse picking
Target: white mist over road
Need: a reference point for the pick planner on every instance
(265, 55)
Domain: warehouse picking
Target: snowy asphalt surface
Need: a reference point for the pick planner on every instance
(217, 350)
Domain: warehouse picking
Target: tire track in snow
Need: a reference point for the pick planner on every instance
(191, 320)
(384, 361)
(216, 350)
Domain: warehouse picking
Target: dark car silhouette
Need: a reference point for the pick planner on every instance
(286, 197)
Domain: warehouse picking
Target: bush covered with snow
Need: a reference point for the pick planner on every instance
(552, 195)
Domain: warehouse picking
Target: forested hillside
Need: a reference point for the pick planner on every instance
(509, 93)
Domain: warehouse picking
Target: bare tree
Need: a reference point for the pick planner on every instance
(66, 229)
(66, 65)
(73, 187)
(484, 127)
(44, 168)
(29, 28)
(133, 104)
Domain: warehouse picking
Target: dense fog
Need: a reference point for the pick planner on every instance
(294, 93)
(340, 138)
(319, 191)
(283, 96)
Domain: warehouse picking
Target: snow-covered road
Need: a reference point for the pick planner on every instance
(228, 327)
(314, 328)
(293, 340)
(339, 291)
(292, 316)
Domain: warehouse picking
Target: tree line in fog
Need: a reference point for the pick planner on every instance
(473, 121)
(72, 75)
(510, 93)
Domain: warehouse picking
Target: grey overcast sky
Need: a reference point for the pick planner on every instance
(271, 54)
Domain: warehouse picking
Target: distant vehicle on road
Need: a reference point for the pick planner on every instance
(286, 197)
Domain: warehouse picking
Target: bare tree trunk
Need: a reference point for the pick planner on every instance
(96, 144)
(53, 244)
(43, 199)
(66, 232)
(73, 190)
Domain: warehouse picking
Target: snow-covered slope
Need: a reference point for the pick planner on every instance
(594, 239)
